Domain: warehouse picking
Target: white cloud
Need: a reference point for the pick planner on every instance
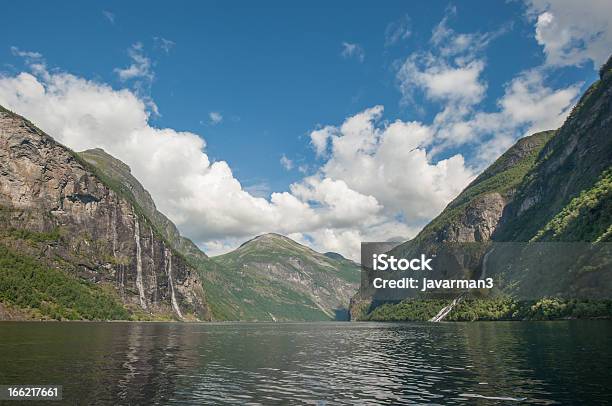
(389, 162)
(442, 82)
(109, 16)
(527, 106)
(350, 50)
(528, 100)
(34, 60)
(450, 74)
(28, 55)
(450, 71)
(140, 74)
(319, 139)
(140, 67)
(334, 208)
(215, 117)
(573, 32)
(286, 162)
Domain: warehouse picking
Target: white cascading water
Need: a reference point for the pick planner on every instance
(154, 273)
(171, 284)
(141, 292)
(447, 309)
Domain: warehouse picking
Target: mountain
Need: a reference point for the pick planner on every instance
(281, 279)
(232, 293)
(551, 186)
(75, 245)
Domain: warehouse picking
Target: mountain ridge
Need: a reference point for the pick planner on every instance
(323, 285)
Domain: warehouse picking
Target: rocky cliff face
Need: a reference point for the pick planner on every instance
(121, 176)
(475, 214)
(104, 237)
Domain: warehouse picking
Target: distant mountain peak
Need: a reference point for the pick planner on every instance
(334, 255)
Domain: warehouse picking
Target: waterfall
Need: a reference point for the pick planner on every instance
(141, 293)
(154, 273)
(447, 309)
(483, 274)
(171, 284)
(114, 230)
(152, 248)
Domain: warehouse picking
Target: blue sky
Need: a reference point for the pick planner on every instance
(270, 73)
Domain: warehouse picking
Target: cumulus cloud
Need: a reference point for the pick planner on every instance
(527, 106)
(442, 81)
(140, 75)
(450, 70)
(319, 139)
(34, 60)
(350, 50)
(334, 208)
(572, 32)
(389, 161)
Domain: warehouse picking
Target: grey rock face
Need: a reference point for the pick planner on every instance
(478, 222)
(121, 174)
(104, 236)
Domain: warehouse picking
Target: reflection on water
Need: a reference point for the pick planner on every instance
(316, 363)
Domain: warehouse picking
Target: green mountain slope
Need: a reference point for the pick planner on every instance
(571, 164)
(284, 280)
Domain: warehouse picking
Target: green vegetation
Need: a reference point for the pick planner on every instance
(52, 293)
(587, 217)
(33, 236)
(241, 288)
(503, 176)
(503, 308)
(242, 294)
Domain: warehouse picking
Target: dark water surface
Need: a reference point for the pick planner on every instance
(315, 363)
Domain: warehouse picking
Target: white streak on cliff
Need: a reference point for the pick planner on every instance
(171, 284)
(141, 293)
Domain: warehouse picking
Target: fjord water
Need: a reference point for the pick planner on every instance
(312, 363)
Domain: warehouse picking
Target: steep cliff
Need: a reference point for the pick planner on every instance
(568, 170)
(63, 214)
(551, 186)
(121, 176)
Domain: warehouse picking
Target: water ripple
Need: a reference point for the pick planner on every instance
(317, 364)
